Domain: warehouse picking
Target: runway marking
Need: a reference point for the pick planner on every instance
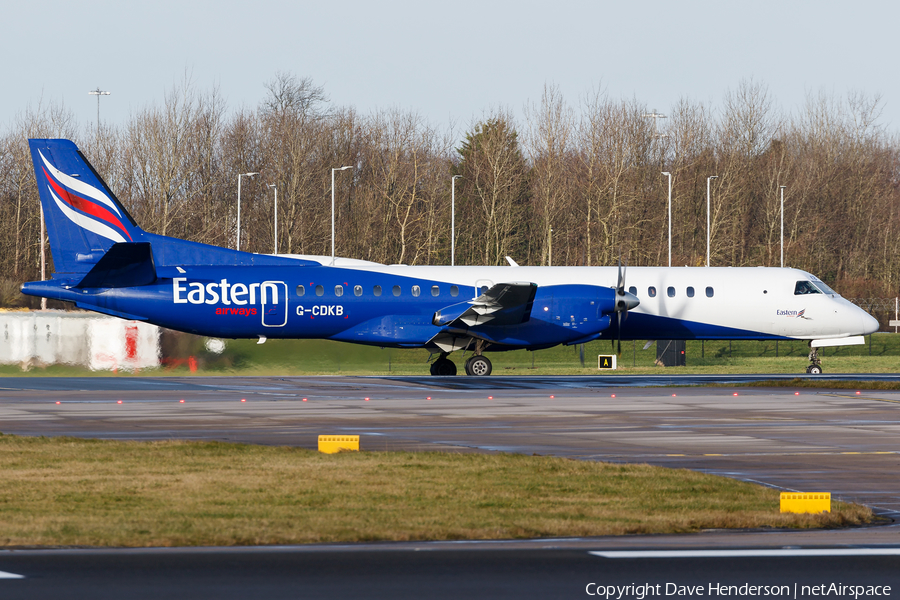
(770, 552)
(5, 575)
(830, 453)
(855, 397)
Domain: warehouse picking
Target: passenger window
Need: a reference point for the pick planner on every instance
(416, 290)
(651, 291)
(632, 290)
(710, 292)
(396, 290)
(376, 290)
(805, 287)
(454, 290)
(435, 290)
(357, 290)
(690, 292)
(301, 290)
(320, 290)
(338, 290)
(670, 292)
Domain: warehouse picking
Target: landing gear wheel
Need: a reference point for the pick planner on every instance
(443, 367)
(478, 366)
(814, 369)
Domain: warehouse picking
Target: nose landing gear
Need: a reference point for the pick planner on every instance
(815, 366)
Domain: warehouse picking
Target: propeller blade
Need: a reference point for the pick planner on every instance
(619, 335)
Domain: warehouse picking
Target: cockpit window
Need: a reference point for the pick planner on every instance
(806, 287)
(825, 289)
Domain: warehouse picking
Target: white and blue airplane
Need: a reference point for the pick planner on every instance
(105, 263)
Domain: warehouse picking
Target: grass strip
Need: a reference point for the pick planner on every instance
(76, 492)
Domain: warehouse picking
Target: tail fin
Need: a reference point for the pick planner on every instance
(84, 218)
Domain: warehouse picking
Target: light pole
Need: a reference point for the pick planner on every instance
(332, 209)
(708, 179)
(238, 244)
(98, 92)
(669, 175)
(43, 257)
(782, 224)
(272, 185)
(453, 220)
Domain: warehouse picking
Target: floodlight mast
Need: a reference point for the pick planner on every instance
(98, 92)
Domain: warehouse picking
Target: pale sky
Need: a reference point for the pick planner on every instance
(449, 61)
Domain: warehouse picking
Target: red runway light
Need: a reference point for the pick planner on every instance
(673, 395)
(428, 398)
(552, 397)
(490, 397)
(367, 399)
(304, 399)
(734, 394)
(57, 401)
(118, 402)
(612, 396)
(796, 393)
(181, 401)
(857, 393)
(243, 399)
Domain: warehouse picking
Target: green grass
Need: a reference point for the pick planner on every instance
(881, 354)
(73, 492)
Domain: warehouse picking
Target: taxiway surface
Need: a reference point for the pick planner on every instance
(842, 441)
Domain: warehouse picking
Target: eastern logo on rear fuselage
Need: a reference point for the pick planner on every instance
(225, 292)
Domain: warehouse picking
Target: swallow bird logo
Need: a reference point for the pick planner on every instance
(85, 205)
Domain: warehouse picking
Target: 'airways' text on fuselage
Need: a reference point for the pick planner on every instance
(227, 293)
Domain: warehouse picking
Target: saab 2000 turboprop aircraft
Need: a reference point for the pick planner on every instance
(105, 263)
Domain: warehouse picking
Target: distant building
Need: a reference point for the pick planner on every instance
(74, 338)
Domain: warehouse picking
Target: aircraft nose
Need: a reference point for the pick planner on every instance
(869, 323)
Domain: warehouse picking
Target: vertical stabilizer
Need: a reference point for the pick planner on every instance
(84, 218)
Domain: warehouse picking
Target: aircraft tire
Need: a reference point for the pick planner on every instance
(814, 370)
(478, 366)
(443, 367)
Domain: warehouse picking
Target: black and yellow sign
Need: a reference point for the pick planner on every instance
(606, 361)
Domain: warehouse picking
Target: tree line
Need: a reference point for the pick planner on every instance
(569, 183)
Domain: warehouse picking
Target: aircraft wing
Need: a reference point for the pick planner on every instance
(503, 304)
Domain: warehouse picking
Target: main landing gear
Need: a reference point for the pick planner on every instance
(477, 365)
(443, 366)
(815, 365)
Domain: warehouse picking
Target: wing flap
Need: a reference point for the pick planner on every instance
(503, 304)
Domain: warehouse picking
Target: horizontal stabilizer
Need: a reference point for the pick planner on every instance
(125, 264)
